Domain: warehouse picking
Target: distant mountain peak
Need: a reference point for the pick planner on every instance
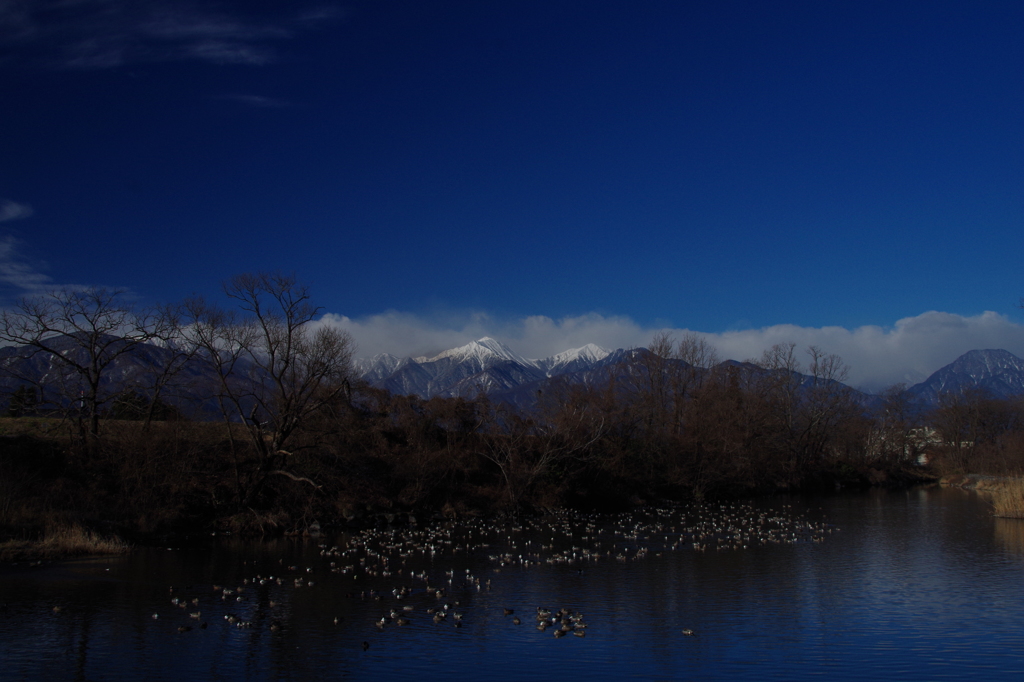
(590, 352)
(575, 358)
(993, 358)
(485, 364)
(484, 350)
(997, 371)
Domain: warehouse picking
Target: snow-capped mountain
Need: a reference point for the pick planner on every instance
(482, 353)
(481, 366)
(489, 366)
(377, 368)
(998, 372)
(573, 360)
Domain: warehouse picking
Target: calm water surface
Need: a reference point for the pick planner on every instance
(919, 585)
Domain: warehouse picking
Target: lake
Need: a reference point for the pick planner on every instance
(912, 585)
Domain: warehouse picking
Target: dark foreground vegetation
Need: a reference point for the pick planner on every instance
(300, 441)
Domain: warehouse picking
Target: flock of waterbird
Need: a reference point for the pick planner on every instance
(416, 576)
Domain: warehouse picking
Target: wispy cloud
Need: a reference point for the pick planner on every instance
(908, 351)
(314, 16)
(98, 34)
(10, 210)
(225, 52)
(258, 101)
(16, 22)
(17, 275)
(22, 276)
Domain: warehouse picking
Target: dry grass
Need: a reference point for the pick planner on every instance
(115, 430)
(61, 542)
(1008, 499)
(39, 427)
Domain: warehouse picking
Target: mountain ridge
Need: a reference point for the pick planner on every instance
(490, 367)
(500, 372)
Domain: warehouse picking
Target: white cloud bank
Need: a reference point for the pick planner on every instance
(908, 351)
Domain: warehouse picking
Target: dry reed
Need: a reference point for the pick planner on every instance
(62, 541)
(1008, 499)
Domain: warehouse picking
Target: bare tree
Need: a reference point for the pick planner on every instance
(892, 438)
(779, 389)
(276, 368)
(161, 376)
(526, 449)
(956, 419)
(696, 352)
(802, 410)
(971, 421)
(655, 385)
(826, 402)
(695, 359)
(81, 333)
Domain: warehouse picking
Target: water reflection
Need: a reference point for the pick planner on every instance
(921, 584)
(1010, 535)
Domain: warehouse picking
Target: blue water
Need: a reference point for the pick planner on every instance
(919, 585)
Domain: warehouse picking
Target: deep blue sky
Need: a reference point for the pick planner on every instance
(716, 166)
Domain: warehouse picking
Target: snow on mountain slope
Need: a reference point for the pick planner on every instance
(489, 366)
(482, 365)
(999, 372)
(379, 367)
(482, 352)
(573, 360)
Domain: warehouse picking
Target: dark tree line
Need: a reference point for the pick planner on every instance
(299, 438)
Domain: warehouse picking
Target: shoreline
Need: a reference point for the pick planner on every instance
(979, 482)
(76, 542)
